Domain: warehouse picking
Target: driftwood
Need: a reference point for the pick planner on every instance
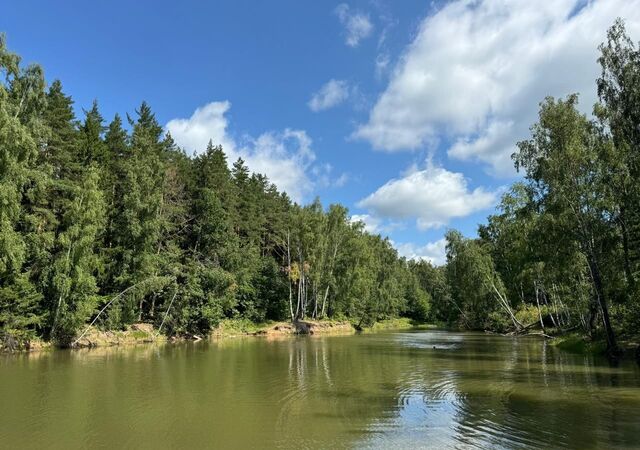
(541, 334)
(526, 330)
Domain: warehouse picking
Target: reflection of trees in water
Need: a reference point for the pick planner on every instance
(379, 390)
(336, 387)
(522, 393)
(488, 391)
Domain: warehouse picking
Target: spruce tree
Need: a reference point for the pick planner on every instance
(73, 286)
(92, 147)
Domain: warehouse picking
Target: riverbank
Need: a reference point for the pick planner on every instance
(144, 333)
(576, 343)
(234, 328)
(138, 333)
(135, 334)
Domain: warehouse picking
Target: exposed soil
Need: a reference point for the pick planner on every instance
(308, 327)
(302, 327)
(138, 333)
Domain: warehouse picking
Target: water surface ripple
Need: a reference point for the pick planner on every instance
(419, 389)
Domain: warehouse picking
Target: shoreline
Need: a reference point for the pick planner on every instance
(144, 333)
(139, 334)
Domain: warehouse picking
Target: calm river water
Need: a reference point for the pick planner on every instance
(420, 389)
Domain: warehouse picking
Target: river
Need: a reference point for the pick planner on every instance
(409, 389)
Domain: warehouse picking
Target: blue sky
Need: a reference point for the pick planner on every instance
(406, 112)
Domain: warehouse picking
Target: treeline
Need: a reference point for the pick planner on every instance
(115, 224)
(563, 250)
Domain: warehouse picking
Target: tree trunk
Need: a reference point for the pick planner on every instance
(314, 293)
(625, 248)
(152, 312)
(505, 305)
(304, 295)
(553, 319)
(140, 309)
(289, 276)
(612, 345)
(535, 286)
(297, 316)
(324, 302)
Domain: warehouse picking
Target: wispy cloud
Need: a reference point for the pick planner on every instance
(331, 94)
(357, 25)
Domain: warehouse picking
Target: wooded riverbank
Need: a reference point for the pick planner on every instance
(112, 225)
(144, 333)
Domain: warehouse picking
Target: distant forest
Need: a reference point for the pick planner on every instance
(115, 217)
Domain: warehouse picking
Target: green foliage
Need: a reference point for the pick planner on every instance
(19, 315)
(576, 343)
(72, 284)
(100, 216)
(419, 304)
(498, 322)
(529, 314)
(476, 287)
(433, 281)
(394, 324)
(563, 247)
(205, 297)
(94, 216)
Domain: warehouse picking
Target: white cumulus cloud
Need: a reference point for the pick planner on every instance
(357, 25)
(206, 123)
(432, 196)
(371, 224)
(434, 252)
(285, 157)
(477, 70)
(331, 94)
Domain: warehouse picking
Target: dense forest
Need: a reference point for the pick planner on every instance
(112, 223)
(564, 245)
(115, 218)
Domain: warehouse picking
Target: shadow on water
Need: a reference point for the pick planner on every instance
(387, 390)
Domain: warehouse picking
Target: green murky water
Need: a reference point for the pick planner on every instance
(423, 389)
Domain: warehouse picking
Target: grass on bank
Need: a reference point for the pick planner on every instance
(576, 343)
(239, 327)
(236, 327)
(398, 323)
